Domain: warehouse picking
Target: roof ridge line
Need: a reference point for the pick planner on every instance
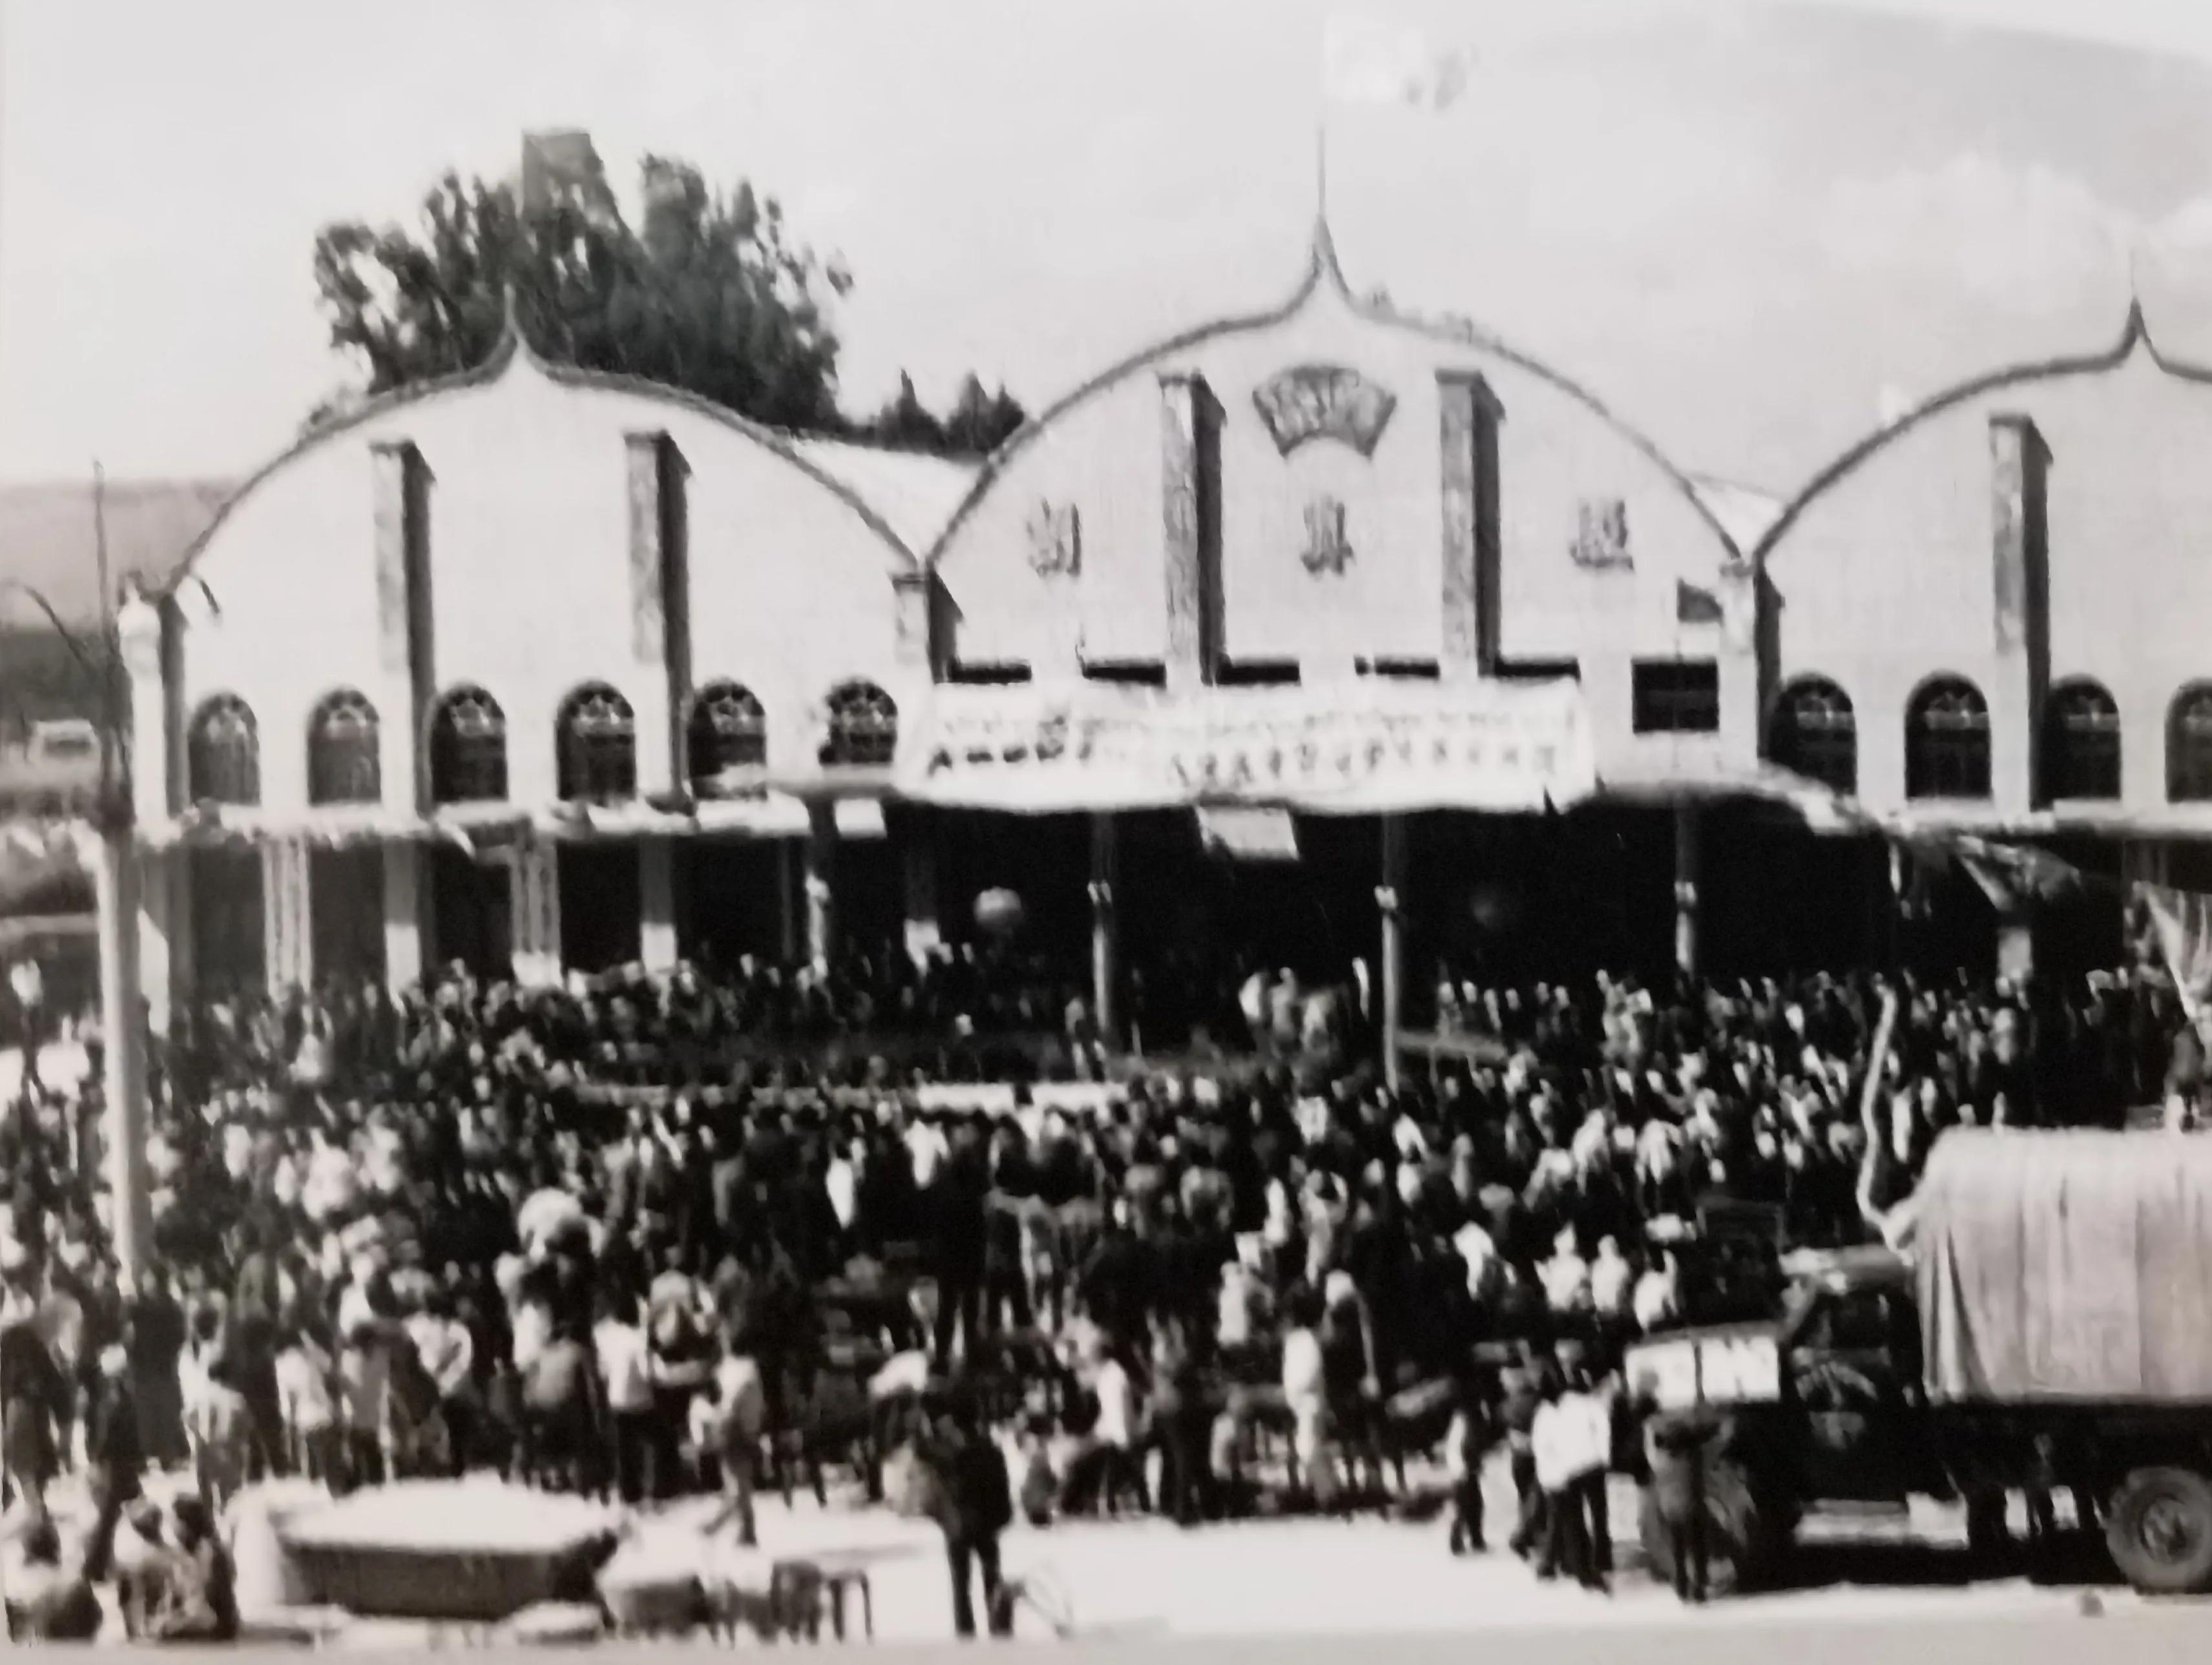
(2134, 332)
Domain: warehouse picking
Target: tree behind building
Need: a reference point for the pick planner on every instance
(707, 293)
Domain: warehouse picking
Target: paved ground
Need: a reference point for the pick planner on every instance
(1143, 1583)
(1143, 1578)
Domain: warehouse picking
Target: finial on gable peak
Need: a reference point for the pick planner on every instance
(2137, 333)
(1325, 264)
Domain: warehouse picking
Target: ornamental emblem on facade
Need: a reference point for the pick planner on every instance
(1055, 540)
(1602, 534)
(1328, 550)
(1324, 402)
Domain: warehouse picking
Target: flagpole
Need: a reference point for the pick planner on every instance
(1320, 161)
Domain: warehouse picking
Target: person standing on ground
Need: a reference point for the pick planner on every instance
(1467, 1447)
(1589, 1396)
(155, 1333)
(975, 1503)
(619, 1342)
(958, 1198)
(113, 1456)
(32, 1394)
(1564, 1457)
(1681, 1445)
(735, 1414)
(1522, 1398)
(447, 1350)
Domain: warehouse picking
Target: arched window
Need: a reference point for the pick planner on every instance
(2080, 742)
(863, 725)
(223, 754)
(1816, 733)
(2189, 745)
(343, 766)
(468, 748)
(728, 729)
(1947, 741)
(595, 738)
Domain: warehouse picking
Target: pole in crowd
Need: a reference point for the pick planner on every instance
(116, 881)
(1393, 944)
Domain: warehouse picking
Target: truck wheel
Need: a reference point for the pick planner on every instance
(2160, 1531)
(1745, 1540)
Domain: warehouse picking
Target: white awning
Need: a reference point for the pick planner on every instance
(1249, 834)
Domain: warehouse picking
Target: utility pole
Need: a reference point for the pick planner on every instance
(122, 1046)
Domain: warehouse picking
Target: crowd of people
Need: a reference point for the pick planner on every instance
(635, 1236)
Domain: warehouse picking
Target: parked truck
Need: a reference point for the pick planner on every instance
(2039, 1318)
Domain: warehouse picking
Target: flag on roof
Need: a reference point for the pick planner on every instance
(1366, 60)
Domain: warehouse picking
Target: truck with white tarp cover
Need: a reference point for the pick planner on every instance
(2038, 1318)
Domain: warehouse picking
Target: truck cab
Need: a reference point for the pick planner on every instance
(1821, 1402)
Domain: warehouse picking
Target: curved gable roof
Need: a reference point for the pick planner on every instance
(2134, 335)
(512, 347)
(1323, 268)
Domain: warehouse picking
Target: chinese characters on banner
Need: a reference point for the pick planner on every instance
(1366, 749)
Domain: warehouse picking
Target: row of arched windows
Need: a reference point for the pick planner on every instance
(595, 744)
(1947, 740)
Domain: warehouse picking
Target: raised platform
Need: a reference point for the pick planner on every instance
(475, 1550)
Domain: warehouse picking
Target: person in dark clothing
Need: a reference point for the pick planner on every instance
(973, 1503)
(1518, 1415)
(114, 1455)
(562, 1415)
(1473, 1432)
(959, 1199)
(1681, 1445)
(249, 1351)
(32, 1391)
(1183, 1422)
(154, 1336)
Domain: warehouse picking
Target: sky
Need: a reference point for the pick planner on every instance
(1750, 226)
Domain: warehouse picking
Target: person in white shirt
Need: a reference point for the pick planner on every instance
(1611, 1278)
(1555, 1439)
(364, 1380)
(304, 1401)
(237, 1150)
(532, 1324)
(219, 1427)
(1573, 1442)
(448, 1353)
(1234, 1312)
(1121, 1468)
(625, 1368)
(842, 1182)
(926, 1146)
(28, 986)
(383, 1159)
(728, 1419)
(330, 1186)
(1478, 1250)
(1657, 1297)
(1566, 1275)
(1305, 1390)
